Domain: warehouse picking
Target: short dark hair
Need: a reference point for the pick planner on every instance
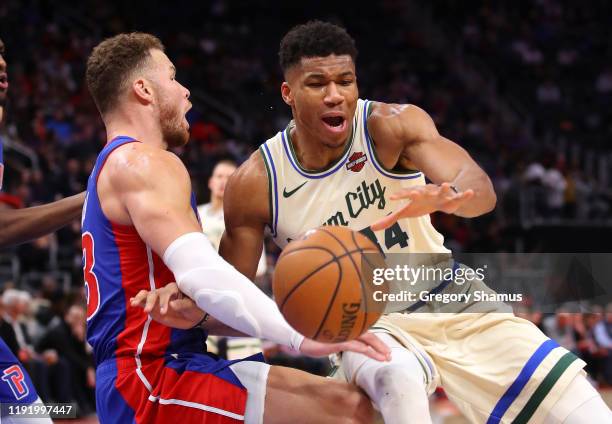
(113, 61)
(1, 47)
(314, 39)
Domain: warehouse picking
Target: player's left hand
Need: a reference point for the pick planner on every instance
(424, 200)
(368, 344)
(168, 306)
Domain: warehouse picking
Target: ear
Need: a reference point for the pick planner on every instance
(143, 90)
(286, 93)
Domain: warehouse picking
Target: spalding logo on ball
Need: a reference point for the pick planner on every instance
(323, 286)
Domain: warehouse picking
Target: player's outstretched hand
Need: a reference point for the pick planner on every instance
(368, 344)
(424, 200)
(168, 306)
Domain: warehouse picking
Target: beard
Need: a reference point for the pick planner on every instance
(171, 123)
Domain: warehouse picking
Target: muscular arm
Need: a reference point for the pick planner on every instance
(246, 211)
(21, 225)
(154, 188)
(406, 135)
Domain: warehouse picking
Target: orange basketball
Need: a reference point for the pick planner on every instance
(322, 284)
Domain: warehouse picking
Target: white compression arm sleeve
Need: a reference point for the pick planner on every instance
(219, 289)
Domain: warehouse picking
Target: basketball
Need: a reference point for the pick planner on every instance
(321, 284)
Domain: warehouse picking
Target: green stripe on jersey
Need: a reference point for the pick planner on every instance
(269, 172)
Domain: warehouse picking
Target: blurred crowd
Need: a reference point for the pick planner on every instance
(588, 335)
(48, 337)
(551, 61)
(525, 87)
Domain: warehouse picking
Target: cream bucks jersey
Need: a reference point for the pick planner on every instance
(353, 191)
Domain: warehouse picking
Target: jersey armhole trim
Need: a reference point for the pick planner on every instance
(120, 141)
(402, 175)
(272, 192)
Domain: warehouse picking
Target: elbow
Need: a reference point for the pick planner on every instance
(488, 197)
(483, 202)
(491, 200)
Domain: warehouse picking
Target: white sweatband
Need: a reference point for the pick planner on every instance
(219, 289)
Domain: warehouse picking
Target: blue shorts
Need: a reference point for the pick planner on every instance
(16, 386)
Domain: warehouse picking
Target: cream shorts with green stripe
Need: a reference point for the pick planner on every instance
(495, 367)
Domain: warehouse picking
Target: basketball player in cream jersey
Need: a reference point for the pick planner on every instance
(339, 162)
(346, 161)
(213, 225)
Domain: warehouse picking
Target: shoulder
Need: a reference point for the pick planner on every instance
(246, 193)
(138, 163)
(251, 175)
(391, 122)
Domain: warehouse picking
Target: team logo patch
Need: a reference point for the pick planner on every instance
(15, 378)
(356, 161)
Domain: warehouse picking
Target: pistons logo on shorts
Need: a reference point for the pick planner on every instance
(14, 377)
(356, 161)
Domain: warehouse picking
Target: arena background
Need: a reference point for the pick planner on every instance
(525, 87)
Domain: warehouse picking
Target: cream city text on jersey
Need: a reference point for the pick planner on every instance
(364, 196)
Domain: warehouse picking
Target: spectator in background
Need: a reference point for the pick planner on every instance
(555, 185)
(14, 332)
(560, 328)
(602, 333)
(593, 354)
(66, 337)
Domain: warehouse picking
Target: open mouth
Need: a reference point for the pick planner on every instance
(335, 123)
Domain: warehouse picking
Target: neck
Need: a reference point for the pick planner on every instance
(314, 154)
(216, 203)
(135, 124)
(1, 113)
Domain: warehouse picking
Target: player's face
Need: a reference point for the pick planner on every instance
(322, 92)
(172, 100)
(3, 81)
(219, 178)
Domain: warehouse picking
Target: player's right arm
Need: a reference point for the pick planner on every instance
(21, 225)
(153, 188)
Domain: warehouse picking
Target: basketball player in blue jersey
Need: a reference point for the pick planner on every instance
(346, 161)
(19, 226)
(140, 232)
